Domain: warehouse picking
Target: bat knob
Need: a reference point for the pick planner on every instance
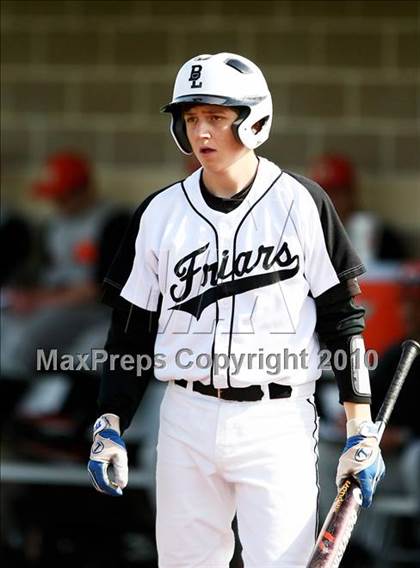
(411, 344)
(357, 494)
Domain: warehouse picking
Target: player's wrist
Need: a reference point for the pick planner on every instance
(361, 427)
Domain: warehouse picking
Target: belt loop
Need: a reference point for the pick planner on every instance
(265, 390)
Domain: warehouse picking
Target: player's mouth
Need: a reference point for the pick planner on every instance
(205, 151)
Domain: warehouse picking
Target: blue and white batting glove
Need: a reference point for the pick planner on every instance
(362, 459)
(108, 464)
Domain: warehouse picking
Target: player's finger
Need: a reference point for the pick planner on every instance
(120, 470)
(367, 493)
(98, 472)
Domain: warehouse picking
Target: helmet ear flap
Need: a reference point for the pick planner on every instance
(262, 116)
(243, 113)
(179, 132)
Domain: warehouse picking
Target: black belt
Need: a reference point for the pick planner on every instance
(252, 393)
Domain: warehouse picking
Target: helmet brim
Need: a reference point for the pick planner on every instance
(209, 100)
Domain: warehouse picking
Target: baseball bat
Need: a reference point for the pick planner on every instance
(342, 516)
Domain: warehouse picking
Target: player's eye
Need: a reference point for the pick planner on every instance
(190, 119)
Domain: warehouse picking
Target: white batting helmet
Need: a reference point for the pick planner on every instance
(223, 79)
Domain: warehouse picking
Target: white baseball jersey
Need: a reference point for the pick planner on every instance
(237, 287)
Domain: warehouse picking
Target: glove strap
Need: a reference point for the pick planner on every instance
(107, 422)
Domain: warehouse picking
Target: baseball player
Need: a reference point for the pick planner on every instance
(230, 279)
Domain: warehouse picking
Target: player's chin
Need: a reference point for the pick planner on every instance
(212, 164)
(205, 157)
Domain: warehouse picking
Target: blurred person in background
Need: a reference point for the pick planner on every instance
(15, 262)
(14, 228)
(60, 309)
(373, 239)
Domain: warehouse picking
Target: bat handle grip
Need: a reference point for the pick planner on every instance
(410, 350)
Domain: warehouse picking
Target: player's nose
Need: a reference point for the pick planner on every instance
(203, 129)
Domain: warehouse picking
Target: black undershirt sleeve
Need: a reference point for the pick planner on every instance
(339, 319)
(132, 333)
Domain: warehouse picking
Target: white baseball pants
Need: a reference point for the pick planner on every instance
(216, 457)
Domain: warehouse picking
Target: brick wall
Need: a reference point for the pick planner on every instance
(92, 75)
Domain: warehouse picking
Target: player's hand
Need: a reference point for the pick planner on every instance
(108, 464)
(362, 459)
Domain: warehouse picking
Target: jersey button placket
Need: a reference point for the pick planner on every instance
(226, 233)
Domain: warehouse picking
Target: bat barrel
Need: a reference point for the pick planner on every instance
(337, 528)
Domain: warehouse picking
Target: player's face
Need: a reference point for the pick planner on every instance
(209, 131)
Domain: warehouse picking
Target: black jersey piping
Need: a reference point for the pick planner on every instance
(217, 253)
(288, 216)
(233, 260)
(316, 452)
(113, 283)
(352, 272)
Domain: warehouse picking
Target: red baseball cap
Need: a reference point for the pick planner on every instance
(410, 277)
(63, 173)
(332, 171)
